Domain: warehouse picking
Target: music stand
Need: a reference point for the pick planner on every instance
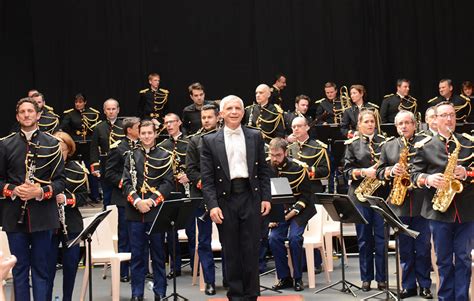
(174, 215)
(86, 235)
(390, 220)
(341, 208)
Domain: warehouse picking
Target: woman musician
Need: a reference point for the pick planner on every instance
(74, 196)
(362, 154)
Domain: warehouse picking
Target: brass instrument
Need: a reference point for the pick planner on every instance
(249, 123)
(29, 177)
(401, 183)
(367, 187)
(445, 195)
(346, 103)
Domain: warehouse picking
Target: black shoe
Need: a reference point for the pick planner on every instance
(381, 285)
(425, 293)
(283, 283)
(136, 299)
(299, 286)
(225, 285)
(366, 286)
(173, 274)
(407, 293)
(149, 276)
(318, 270)
(210, 289)
(124, 279)
(157, 298)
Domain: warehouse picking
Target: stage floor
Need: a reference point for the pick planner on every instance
(101, 288)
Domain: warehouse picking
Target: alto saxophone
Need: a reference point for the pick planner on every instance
(444, 196)
(402, 182)
(367, 187)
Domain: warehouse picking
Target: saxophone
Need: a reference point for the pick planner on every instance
(444, 196)
(401, 183)
(367, 187)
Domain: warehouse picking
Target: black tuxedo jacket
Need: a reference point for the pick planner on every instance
(215, 174)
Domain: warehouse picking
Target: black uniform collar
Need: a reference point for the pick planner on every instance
(283, 164)
(34, 133)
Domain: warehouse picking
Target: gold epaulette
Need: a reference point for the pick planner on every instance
(432, 99)
(319, 100)
(422, 142)
(382, 136)
(68, 111)
(9, 135)
(268, 159)
(144, 90)
(272, 89)
(388, 95)
(373, 104)
(115, 144)
(94, 110)
(324, 145)
(279, 109)
(351, 140)
(389, 138)
(164, 149)
(48, 108)
(465, 97)
(54, 114)
(468, 137)
(249, 106)
(422, 133)
(164, 90)
(300, 163)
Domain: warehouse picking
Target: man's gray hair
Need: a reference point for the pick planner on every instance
(229, 98)
(405, 112)
(111, 100)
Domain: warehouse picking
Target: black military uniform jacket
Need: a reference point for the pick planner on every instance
(297, 174)
(114, 169)
(314, 154)
(154, 180)
(431, 158)
(79, 124)
(193, 163)
(105, 134)
(462, 105)
(361, 153)
(388, 158)
(192, 118)
(76, 194)
(350, 116)
(328, 111)
(393, 103)
(177, 149)
(43, 155)
(275, 96)
(267, 118)
(152, 104)
(289, 116)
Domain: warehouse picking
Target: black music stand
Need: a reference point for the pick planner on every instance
(174, 215)
(390, 220)
(86, 235)
(341, 208)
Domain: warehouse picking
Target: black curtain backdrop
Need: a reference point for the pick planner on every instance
(107, 48)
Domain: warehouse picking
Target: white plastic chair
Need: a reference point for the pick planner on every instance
(331, 229)
(103, 252)
(5, 249)
(113, 223)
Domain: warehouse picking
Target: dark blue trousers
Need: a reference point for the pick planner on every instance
(106, 186)
(139, 262)
(370, 237)
(453, 239)
(415, 254)
(206, 257)
(294, 233)
(31, 251)
(70, 260)
(123, 241)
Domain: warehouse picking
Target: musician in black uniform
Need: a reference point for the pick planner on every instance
(113, 174)
(69, 201)
(361, 157)
(277, 87)
(467, 91)
(192, 113)
(394, 167)
(462, 104)
(106, 133)
(176, 146)
(31, 175)
(297, 216)
(401, 100)
(301, 110)
(430, 119)
(265, 116)
(350, 116)
(147, 181)
(329, 109)
(236, 188)
(153, 101)
(440, 163)
(193, 170)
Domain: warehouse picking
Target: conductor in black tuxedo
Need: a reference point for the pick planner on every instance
(236, 187)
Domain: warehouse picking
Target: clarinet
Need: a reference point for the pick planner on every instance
(29, 177)
(62, 221)
(249, 123)
(133, 171)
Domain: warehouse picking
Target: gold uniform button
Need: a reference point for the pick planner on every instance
(223, 193)
(220, 180)
(218, 167)
(256, 189)
(256, 163)
(256, 177)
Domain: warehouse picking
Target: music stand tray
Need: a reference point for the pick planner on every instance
(341, 208)
(390, 220)
(86, 235)
(174, 215)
